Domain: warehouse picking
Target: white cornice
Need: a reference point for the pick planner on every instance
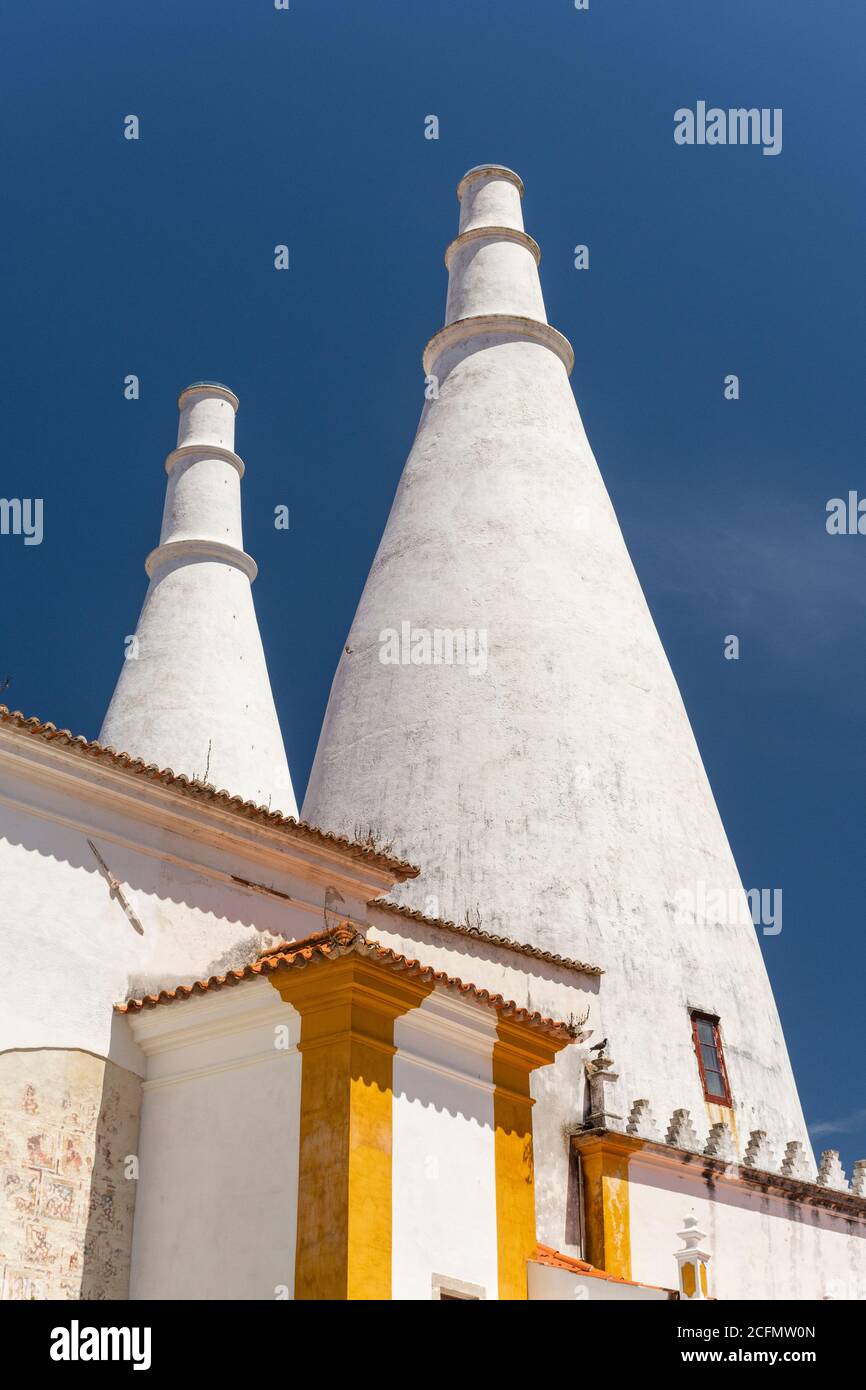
(203, 1017)
(445, 1021)
(164, 809)
(180, 1078)
(441, 1068)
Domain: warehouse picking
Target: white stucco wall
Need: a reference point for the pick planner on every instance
(76, 937)
(70, 951)
(217, 1199)
(761, 1246)
(217, 1196)
(73, 945)
(559, 1089)
(444, 1179)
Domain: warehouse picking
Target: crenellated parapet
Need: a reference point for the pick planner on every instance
(641, 1121)
(681, 1132)
(795, 1163)
(755, 1159)
(759, 1153)
(721, 1143)
(633, 1182)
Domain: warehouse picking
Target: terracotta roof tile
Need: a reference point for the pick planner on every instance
(506, 942)
(546, 1255)
(341, 941)
(203, 791)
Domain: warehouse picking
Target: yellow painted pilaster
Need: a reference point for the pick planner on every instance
(606, 1205)
(516, 1054)
(348, 1008)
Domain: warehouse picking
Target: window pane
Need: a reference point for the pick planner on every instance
(709, 1049)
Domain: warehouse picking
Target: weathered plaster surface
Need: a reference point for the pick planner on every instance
(761, 1245)
(70, 948)
(68, 1123)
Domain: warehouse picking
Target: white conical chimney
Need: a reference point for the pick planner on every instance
(553, 782)
(194, 693)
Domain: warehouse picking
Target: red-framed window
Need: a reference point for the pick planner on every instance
(711, 1059)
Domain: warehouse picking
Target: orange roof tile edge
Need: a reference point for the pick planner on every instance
(203, 791)
(546, 1255)
(506, 942)
(331, 945)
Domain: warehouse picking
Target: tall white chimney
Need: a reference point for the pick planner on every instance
(552, 784)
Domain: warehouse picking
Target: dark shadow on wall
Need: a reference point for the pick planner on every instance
(107, 1239)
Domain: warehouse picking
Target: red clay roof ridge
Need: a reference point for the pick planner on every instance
(508, 943)
(339, 941)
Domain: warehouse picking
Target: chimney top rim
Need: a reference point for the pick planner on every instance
(215, 388)
(484, 170)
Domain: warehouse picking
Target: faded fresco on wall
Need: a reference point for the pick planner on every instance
(68, 1123)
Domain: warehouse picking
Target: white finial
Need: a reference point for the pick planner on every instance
(692, 1261)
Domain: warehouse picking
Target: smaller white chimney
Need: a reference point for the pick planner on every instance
(194, 693)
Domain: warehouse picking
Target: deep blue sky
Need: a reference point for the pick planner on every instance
(306, 127)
